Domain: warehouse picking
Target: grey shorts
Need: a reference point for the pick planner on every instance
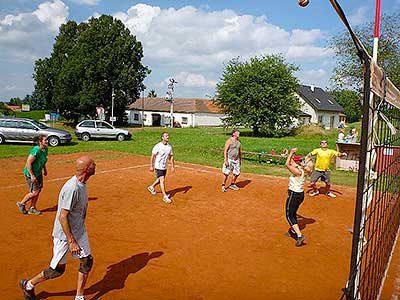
(324, 175)
(37, 186)
(161, 173)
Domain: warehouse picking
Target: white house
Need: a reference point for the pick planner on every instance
(319, 107)
(187, 112)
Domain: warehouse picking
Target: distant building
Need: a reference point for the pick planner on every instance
(13, 107)
(319, 107)
(187, 112)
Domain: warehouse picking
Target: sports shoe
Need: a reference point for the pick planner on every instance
(234, 187)
(291, 233)
(34, 211)
(223, 189)
(330, 194)
(314, 193)
(167, 200)
(22, 208)
(300, 240)
(151, 190)
(28, 294)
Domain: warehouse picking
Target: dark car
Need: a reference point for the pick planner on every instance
(24, 130)
(92, 129)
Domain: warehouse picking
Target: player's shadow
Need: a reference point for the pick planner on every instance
(243, 183)
(303, 221)
(323, 191)
(114, 279)
(184, 189)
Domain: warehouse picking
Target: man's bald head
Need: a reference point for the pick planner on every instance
(85, 166)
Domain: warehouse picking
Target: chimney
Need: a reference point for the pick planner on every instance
(312, 88)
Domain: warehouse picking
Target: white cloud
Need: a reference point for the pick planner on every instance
(27, 36)
(360, 16)
(87, 2)
(10, 88)
(194, 41)
(319, 77)
(190, 80)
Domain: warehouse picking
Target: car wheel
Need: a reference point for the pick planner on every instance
(121, 137)
(85, 137)
(2, 140)
(53, 141)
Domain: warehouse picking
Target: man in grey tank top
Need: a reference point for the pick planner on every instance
(232, 160)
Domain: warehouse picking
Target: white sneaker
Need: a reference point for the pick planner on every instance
(151, 190)
(167, 200)
(330, 194)
(223, 189)
(234, 187)
(314, 193)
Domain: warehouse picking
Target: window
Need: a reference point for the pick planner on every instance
(330, 101)
(26, 125)
(88, 124)
(104, 125)
(11, 124)
(316, 99)
(136, 117)
(320, 119)
(184, 120)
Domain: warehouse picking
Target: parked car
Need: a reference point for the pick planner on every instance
(27, 130)
(91, 129)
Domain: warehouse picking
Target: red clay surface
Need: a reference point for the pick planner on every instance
(205, 245)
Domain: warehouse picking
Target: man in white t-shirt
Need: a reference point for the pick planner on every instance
(69, 232)
(159, 161)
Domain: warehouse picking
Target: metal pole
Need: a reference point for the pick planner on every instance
(112, 105)
(172, 113)
(142, 109)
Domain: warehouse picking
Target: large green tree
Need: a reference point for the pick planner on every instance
(91, 62)
(260, 94)
(351, 103)
(348, 72)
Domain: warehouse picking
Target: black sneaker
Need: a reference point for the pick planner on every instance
(28, 294)
(291, 233)
(300, 240)
(22, 208)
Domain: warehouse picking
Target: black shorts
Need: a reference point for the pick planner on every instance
(161, 173)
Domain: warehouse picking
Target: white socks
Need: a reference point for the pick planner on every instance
(79, 297)
(29, 286)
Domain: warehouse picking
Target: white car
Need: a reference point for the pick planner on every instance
(92, 129)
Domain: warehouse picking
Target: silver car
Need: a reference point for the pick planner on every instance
(26, 130)
(92, 129)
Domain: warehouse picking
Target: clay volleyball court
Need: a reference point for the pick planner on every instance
(205, 245)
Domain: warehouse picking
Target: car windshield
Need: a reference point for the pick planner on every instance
(40, 125)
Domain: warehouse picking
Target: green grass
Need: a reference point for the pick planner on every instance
(199, 146)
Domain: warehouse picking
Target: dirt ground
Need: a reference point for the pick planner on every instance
(205, 245)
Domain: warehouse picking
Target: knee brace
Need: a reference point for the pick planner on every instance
(51, 273)
(86, 264)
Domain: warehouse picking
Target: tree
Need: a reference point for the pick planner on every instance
(91, 63)
(15, 101)
(35, 102)
(348, 72)
(259, 94)
(351, 103)
(152, 94)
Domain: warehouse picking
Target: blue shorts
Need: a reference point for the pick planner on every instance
(161, 173)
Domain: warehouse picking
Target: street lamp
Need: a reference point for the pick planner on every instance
(170, 98)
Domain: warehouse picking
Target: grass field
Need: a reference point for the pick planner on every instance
(200, 146)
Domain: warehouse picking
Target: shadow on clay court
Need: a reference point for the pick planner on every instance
(303, 221)
(184, 189)
(114, 279)
(322, 191)
(243, 183)
(54, 208)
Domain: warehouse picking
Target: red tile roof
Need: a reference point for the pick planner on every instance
(180, 105)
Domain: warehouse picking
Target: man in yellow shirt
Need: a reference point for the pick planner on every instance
(322, 164)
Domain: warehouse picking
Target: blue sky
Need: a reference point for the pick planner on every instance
(188, 40)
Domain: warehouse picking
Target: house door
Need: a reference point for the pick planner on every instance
(332, 121)
(156, 119)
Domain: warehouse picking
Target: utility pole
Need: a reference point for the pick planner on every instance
(142, 109)
(170, 98)
(112, 105)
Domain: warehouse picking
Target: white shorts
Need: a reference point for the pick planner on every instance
(61, 249)
(233, 166)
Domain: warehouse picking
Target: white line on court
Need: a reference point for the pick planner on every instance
(64, 178)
